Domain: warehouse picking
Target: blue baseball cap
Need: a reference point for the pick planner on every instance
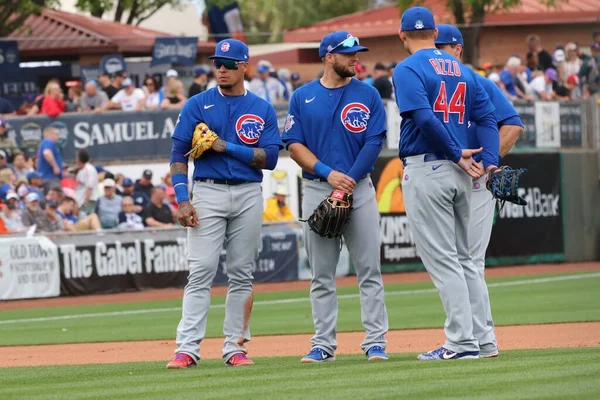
(200, 71)
(231, 49)
(417, 19)
(99, 168)
(127, 182)
(340, 42)
(262, 68)
(33, 196)
(448, 34)
(33, 175)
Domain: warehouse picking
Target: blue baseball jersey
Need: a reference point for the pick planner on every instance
(504, 110)
(433, 79)
(335, 124)
(245, 120)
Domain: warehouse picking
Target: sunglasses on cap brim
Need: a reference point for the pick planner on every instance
(228, 64)
(348, 42)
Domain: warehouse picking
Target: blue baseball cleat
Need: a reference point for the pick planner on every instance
(445, 354)
(376, 353)
(317, 355)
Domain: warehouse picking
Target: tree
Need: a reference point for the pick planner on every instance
(132, 12)
(14, 12)
(265, 20)
(469, 16)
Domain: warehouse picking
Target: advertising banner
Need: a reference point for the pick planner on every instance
(9, 56)
(28, 268)
(175, 50)
(571, 124)
(547, 124)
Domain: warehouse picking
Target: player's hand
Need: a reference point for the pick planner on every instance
(341, 182)
(186, 215)
(470, 166)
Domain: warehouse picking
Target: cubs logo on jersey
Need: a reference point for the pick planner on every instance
(249, 127)
(355, 117)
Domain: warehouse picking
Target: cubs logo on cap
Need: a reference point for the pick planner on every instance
(249, 128)
(355, 117)
(419, 24)
(225, 47)
(231, 49)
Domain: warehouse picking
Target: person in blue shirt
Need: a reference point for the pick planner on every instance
(334, 131)
(50, 164)
(510, 127)
(437, 97)
(227, 200)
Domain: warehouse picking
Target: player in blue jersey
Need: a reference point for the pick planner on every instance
(437, 96)
(227, 201)
(510, 126)
(335, 130)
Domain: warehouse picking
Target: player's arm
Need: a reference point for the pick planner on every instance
(487, 126)
(182, 143)
(509, 132)
(375, 135)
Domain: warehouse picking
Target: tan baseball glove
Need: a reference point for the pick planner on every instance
(202, 140)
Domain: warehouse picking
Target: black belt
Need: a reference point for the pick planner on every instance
(316, 179)
(229, 182)
(428, 157)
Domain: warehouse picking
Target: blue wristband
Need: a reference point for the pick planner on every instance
(180, 184)
(322, 170)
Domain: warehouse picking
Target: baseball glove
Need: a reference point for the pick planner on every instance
(330, 216)
(202, 140)
(503, 183)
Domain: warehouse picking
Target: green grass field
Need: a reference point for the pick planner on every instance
(541, 374)
(523, 300)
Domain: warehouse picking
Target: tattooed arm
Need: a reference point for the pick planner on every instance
(186, 214)
(259, 158)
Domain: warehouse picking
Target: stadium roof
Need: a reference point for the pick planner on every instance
(385, 21)
(61, 33)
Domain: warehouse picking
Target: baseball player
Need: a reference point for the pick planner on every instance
(437, 96)
(334, 130)
(227, 202)
(510, 126)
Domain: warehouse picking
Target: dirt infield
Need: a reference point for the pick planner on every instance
(586, 334)
(176, 294)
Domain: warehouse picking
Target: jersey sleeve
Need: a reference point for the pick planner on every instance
(377, 126)
(409, 89)
(270, 135)
(189, 117)
(482, 105)
(293, 127)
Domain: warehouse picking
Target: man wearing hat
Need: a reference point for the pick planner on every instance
(227, 202)
(200, 82)
(140, 199)
(276, 209)
(265, 86)
(11, 214)
(46, 220)
(438, 98)
(144, 184)
(109, 205)
(129, 98)
(334, 131)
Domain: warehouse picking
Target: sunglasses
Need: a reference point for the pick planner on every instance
(349, 42)
(228, 64)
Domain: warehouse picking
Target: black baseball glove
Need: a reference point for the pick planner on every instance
(503, 183)
(331, 215)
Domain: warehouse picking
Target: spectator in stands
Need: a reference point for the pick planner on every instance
(200, 82)
(129, 98)
(157, 213)
(4, 161)
(153, 96)
(20, 166)
(572, 84)
(381, 81)
(86, 190)
(284, 77)
(265, 86)
(92, 98)
(140, 199)
(53, 103)
(115, 84)
(590, 67)
(50, 164)
(11, 214)
(7, 143)
(144, 184)
(573, 62)
(129, 219)
(212, 81)
(7, 176)
(109, 205)
(544, 58)
(295, 79)
(35, 183)
(533, 65)
(55, 194)
(70, 215)
(73, 97)
(175, 99)
(6, 109)
(28, 107)
(21, 188)
(276, 208)
(509, 76)
(560, 64)
(46, 220)
(541, 86)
